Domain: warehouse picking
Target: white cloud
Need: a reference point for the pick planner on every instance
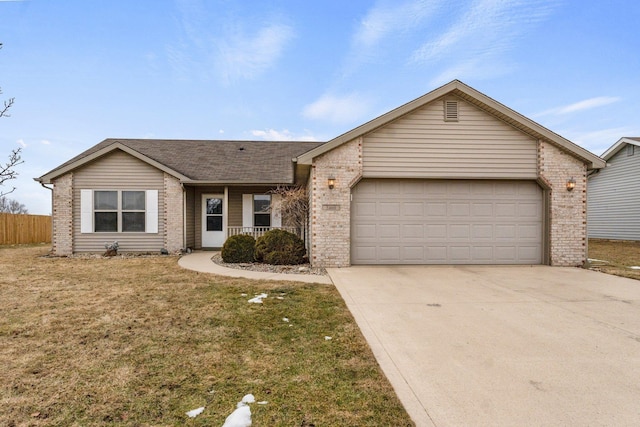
(220, 39)
(388, 19)
(484, 31)
(598, 141)
(586, 104)
(283, 135)
(486, 26)
(22, 143)
(45, 142)
(248, 56)
(338, 109)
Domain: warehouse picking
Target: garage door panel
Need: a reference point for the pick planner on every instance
(413, 253)
(389, 231)
(459, 231)
(457, 209)
(365, 231)
(436, 209)
(389, 254)
(439, 222)
(436, 231)
(482, 231)
(460, 254)
(413, 231)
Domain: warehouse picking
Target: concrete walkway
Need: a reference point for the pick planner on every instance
(201, 261)
(502, 346)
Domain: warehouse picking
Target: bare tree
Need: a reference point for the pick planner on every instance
(294, 206)
(12, 206)
(7, 171)
(7, 104)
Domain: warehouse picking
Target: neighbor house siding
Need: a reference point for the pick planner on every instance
(614, 198)
(423, 145)
(118, 171)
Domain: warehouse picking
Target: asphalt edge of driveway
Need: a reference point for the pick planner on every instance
(403, 390)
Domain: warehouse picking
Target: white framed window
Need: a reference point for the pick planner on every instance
(261, 210)
(119, 211)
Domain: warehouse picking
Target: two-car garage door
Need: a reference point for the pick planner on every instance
(397, 221)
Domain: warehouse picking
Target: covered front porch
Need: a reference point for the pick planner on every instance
(215, 213)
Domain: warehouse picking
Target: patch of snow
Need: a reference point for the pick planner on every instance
(634, 267)
(243, 295)
(258, 299)
(264, 402)
(597, 260)
(241, 417)
(195, 412)
(327, 338)
(279, 297)
(285, 319)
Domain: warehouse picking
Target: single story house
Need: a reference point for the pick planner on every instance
(614, 193)
(452, 177)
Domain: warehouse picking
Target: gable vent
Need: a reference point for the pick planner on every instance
(450, 110)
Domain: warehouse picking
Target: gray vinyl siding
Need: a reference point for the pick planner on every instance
(118, 171)
(423, 145)
(235, 202)
(613, 209)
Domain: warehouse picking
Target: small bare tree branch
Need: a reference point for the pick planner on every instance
(7, 171)
(7, 104)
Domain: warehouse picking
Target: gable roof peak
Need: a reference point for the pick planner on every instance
(478, 99)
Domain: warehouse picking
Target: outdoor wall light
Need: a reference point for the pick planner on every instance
(571, 184)
(331, 182)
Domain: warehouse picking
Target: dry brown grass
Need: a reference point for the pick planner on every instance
(618, 256)
(140, 341)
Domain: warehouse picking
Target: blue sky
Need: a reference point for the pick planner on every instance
(82, 71)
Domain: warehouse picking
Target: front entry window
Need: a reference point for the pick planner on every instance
(214, 214)
(261, 210)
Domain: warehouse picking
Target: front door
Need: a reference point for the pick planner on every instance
(213, 223)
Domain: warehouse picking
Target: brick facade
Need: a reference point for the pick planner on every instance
(567, 210)
(62, 238)
(173, 214)
(330, 215)
(331, 208)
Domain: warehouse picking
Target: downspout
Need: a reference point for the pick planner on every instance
(50, 189)
(184, 218)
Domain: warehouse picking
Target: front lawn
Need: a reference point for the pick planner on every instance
(140, 341)
(615, 257)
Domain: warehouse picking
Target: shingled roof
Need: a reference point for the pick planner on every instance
(204, 161)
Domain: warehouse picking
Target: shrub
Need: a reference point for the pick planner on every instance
(280, 247)
(239, 248)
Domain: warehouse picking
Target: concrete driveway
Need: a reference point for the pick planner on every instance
(509, 346)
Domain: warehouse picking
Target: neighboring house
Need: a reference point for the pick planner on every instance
(613, 211)
(453, 177)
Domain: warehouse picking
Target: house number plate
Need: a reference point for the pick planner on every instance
(331, 207)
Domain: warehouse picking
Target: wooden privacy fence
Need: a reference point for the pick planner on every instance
(20, 229)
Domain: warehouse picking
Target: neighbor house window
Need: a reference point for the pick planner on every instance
(119, 211)
(262, 210)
